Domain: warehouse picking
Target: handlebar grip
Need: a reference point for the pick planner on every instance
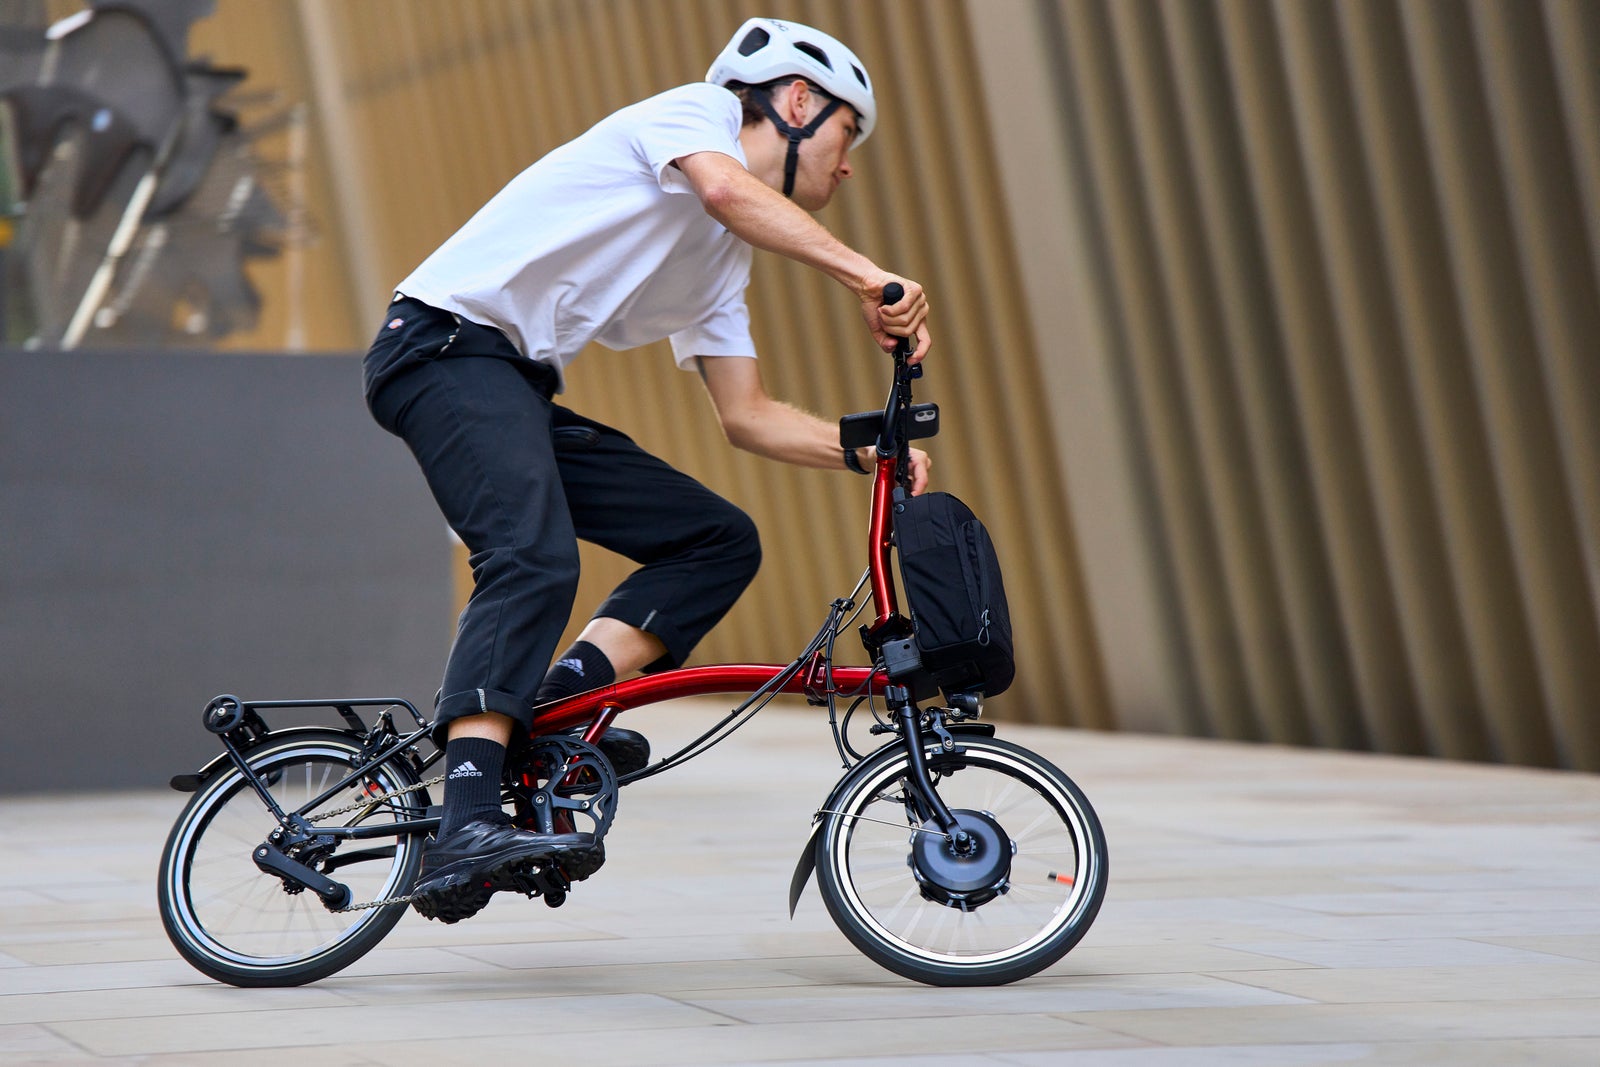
(893, 293)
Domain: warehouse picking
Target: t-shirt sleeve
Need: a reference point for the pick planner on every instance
(726, 332)
(693, 118)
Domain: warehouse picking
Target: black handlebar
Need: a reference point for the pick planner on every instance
(893, 438)
(893, 293)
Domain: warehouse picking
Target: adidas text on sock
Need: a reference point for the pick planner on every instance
(473, 766)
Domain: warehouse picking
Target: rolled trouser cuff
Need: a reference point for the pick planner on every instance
(678, 644)
(470, 702)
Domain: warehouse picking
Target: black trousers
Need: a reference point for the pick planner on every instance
(521, 480)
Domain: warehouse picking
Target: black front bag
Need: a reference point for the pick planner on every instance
(953, 592)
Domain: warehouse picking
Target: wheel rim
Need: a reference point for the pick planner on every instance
(1051, 872)
(227, 908)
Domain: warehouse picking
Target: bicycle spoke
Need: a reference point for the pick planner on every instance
(893, 879)
(997, 804)
(905, 898)
(1038, 821)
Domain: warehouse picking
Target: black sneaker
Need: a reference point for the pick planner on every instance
(463, 869)
(627, 750)
(581, 863)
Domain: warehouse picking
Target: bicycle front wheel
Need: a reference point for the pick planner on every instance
(241, 925)
(1020, 900)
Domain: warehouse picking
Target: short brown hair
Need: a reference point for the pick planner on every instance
(746, 94)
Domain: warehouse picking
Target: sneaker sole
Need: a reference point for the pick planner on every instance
(580, 863)
(464, 887)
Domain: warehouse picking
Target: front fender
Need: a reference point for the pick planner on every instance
(808, 855)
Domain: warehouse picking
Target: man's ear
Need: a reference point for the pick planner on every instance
(796, 98)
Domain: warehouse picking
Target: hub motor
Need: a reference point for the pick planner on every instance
(967, 868)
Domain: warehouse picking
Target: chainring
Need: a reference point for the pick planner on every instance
(559, 784)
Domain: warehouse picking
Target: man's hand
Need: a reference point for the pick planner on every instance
(908, 318)
(921, 466)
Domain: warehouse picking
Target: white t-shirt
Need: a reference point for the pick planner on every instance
(603, 240)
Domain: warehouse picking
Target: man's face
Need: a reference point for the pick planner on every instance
(825, 158)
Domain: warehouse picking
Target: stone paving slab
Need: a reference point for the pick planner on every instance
(1268, 906)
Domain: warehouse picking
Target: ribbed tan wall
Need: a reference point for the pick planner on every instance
(426, 109)
(1342, 258)
(1270, 335)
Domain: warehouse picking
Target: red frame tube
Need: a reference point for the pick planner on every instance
(878, 541)
(592, 708)
(595, 710)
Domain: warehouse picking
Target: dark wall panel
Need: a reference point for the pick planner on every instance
(177, 526)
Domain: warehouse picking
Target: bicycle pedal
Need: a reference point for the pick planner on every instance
(524, 884)
(533, 879)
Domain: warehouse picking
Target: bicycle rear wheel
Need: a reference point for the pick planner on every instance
(1017, 904)
(240, 925)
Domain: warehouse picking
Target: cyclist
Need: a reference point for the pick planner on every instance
(640, 229)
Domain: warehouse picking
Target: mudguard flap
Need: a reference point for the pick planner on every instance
(803, 869)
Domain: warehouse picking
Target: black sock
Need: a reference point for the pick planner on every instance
(581, 668)
(472, 781)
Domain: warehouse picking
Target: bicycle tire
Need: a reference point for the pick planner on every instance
(240, 925)
(1053, 883)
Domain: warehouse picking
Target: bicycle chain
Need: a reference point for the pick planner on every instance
(380, 798)
(408, 898)
(367, 803)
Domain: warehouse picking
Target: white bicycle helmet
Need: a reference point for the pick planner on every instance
(765, 50)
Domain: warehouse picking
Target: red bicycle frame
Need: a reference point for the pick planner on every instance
(595, 710)
(818, 680)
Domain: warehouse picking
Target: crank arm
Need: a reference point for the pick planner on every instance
(344, 859)
(334, 894)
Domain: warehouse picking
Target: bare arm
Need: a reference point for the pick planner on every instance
(761, 216)
(755, 422)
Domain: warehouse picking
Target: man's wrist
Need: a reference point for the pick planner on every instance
(862, 280)
(852, 461)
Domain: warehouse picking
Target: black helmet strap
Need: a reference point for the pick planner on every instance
(796, 134)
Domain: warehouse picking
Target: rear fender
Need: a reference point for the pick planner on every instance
(191, 783)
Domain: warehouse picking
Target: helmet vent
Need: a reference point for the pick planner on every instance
(754, 41)
(860, 76)
(814, 52)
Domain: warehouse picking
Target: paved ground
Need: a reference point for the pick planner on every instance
(1267, 907)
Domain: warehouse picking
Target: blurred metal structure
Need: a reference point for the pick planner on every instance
(137, 199)
(1270, 331)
